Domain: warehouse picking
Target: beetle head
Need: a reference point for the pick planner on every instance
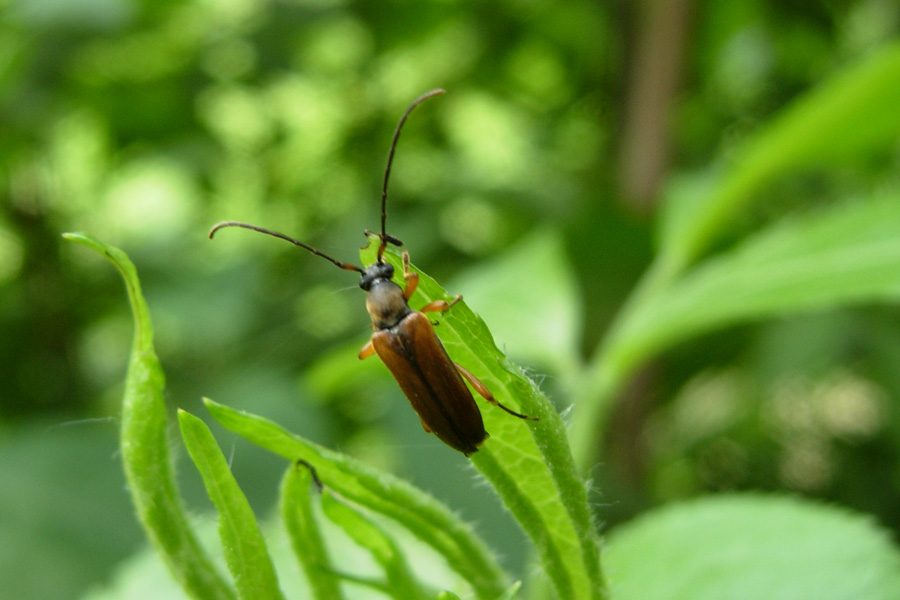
(379, 270)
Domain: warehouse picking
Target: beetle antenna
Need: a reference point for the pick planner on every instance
(385, 238)
(223, 224)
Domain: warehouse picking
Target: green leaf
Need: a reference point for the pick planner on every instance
(851, 114)
(401, 583)
(743, 547)
(528, 463)
(145, 449)
(845, 254)
(512, 592)
(382, 493)
(538, 324)
(243, 542)
(306, 538)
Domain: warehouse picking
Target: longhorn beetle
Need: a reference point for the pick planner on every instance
(404, 338)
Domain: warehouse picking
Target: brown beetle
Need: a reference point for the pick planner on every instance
(405, 340)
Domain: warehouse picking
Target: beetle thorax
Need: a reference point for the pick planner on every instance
(386, 304)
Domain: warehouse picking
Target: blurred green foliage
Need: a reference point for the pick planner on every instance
(145, 122)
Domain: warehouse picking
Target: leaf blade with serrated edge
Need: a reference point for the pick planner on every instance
(529, 463)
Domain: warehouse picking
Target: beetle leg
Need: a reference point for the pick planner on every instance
(367, 350)
(440, 305)
(412, 282)
(476, 383)
(425, 427)
(411, 278)
(486, 393)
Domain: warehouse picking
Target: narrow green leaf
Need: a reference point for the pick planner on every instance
(740, 547)
(145, 449)
(401, 584)
(303, 531)
(846, 254)
(852, 114)
(528, 463)
(242, 541)
(421, 514)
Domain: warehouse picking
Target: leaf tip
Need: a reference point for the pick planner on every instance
(214, 407)
(184, 416)
(84, 239)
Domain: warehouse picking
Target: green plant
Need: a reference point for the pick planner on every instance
(727, 547)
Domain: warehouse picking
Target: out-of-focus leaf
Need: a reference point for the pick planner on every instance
(846, 254)
(743, 547)
(849, 253)
(512, 593)
(850, 115)
(243, 543)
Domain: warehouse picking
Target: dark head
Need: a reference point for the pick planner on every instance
(372, 273)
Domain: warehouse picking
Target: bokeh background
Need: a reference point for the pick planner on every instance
(143, 123)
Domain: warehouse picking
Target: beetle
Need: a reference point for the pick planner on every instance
(405, 339)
